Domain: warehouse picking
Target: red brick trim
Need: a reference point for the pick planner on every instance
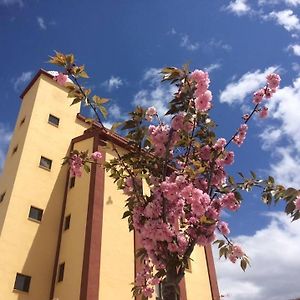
(212, 273)
(93, 235)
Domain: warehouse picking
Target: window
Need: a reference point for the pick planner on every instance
(22, 122)
(2, 197)
(61, 271)
(45, 163)
(72, 182)
(14, 150)
(67, 222)
(22, 282)
(53, 120)
(35, 213)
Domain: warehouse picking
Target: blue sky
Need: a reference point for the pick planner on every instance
(124, 44)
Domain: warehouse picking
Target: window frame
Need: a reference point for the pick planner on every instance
(2, 196)
(56, 124)
(46, 159)
(39, 211)
(67, 222)
(61, 272)
(25, 283)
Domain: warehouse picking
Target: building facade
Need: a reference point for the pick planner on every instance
(60, 237)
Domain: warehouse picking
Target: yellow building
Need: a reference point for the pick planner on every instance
(62, 238)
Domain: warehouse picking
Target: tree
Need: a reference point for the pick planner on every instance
(182, 164)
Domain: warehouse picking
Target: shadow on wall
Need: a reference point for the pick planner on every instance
(41, 256)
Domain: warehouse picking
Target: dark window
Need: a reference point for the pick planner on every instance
(35, 213)
(53, 120)
(22, 282)
(22, 122)
(67, 222)
(2, 197)
(72, 182)
(61, 271)
(14, 150)
(45, 163)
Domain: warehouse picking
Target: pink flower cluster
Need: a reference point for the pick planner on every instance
(61, 79)
(159, 136)
(179, 123)
(202, 94)
(236, 252)
(76, 164)
(145, 280)
(241, 135)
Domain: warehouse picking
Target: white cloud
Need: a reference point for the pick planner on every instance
(273, 2)
(41, 23)
(275, 264)
(187, 44)
(285, 18)
(239, 7)
(213, 43)
(114, 111)
(20, 81)
(113, 83)
(5, 134)
(157, 94)
(213, 67)
(11, 2)
(296, 67)
(248, 83)
(284, 109)
(295, 48)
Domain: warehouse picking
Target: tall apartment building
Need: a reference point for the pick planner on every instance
(62, 238)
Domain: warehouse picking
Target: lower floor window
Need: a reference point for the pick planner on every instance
(22, 282)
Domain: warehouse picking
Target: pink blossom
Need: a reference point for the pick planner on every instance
(202, 80)
(263, 112)
(229, 201)
(258, 96)
(61, 79)
(96, 155)
(75, 165)
(223, 227)
(219, 145)
(241, 135)
(297, 203)
(237, 251)
(203, 101)
(273, 80)
(151, 111)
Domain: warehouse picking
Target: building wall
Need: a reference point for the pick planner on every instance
(26, 246)
(73, 240)
(117, 249)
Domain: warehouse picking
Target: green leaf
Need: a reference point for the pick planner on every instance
(103, 111)
(99, 101)
(116, 125)
(83, 74)
(76, 100)
(126, 214)
(253, 174)
(243, 265)
(87, 168)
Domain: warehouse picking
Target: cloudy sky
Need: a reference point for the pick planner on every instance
(125, 43)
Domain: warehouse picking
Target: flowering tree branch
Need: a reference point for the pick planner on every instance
(184, 165)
